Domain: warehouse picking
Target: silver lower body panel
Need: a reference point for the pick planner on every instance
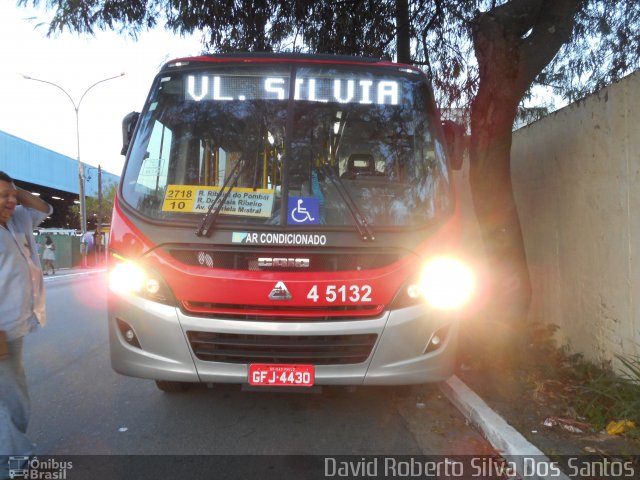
(403, 351)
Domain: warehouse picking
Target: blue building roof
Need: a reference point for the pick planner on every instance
(32, 163)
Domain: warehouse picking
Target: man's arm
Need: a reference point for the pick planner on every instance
(28, 200)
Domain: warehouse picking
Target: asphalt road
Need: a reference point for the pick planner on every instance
(81, 407)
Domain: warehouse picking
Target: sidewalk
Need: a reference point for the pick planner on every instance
(523, 410)
(75, 271)
(511, 445)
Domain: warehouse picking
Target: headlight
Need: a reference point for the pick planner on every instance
(446, 283)
(128, 277)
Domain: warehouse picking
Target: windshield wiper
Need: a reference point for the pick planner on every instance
(360, 220)
(209, 219)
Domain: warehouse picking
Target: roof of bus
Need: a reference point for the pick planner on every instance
(282, 57)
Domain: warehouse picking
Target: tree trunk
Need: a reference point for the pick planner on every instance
(513, 43)
(403, 32)
(490, 177)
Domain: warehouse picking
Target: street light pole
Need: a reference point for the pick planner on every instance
(76, 108)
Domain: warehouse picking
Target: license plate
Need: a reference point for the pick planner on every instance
(266, 375)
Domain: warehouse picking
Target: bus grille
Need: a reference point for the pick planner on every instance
(317, 262)
(299, 349)
(281, 313)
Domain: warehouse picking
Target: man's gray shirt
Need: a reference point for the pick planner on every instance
(21, 284)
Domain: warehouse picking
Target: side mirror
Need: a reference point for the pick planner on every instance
(456, 140)
(129, 123)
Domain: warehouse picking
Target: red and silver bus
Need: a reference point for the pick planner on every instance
(286, 220)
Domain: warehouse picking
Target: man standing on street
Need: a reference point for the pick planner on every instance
(22, 308)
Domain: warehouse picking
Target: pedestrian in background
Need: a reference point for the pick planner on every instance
(49, 256)
(22, 308)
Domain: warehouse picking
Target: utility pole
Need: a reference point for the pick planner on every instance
(100, 235)
(99, 225)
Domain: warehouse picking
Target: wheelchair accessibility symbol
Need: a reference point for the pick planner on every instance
(303, 211)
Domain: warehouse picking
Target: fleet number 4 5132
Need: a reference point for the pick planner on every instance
(341, 293)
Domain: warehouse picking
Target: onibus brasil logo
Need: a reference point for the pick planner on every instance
(21, 466)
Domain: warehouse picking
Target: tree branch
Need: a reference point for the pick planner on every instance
(517, 16)
(552, 29)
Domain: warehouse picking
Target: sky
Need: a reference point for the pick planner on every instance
(44, 115)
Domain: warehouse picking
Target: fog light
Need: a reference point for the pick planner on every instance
(127, 333)
(437, 339)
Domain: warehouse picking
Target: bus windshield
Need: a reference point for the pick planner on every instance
(346, 138)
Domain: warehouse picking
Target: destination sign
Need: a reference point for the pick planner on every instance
(247, 202)
(221, 88)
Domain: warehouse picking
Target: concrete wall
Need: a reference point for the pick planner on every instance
(576, 177)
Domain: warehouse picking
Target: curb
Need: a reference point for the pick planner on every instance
(69, 272)
(502, 436)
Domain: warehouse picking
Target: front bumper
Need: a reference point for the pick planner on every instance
(401, 351)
